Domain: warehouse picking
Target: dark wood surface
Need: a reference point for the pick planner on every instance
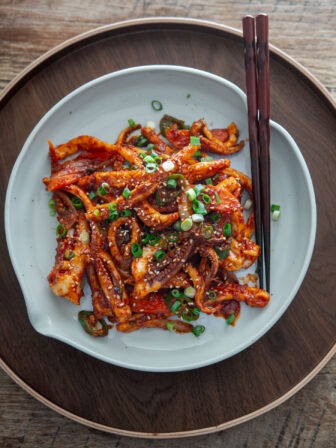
(168, 403)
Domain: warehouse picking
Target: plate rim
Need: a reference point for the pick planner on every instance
(77, 343)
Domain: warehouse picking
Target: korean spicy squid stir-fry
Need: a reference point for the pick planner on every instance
(155, 224)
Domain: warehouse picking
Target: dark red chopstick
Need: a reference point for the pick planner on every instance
(264, 134)
(252, 110)
(256, 57)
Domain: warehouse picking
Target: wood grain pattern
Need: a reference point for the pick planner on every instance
(311, 422)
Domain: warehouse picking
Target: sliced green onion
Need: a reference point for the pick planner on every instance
(230, 319)
(96, 212)
(191, 194)
(197, 154)
(190, 292)
(215, 217)
(198, 207)
(126, 193)
(61, 230)
(156, 105)
(206, 198)
(217, 197)
(211, 294)
(159, 255)
(206, 159)
(198, 189)
(77, 202)
(52, 209)
(222, 253)
(153, 239)
(208, 181)
(134, 167)
(68, 254)
(131, 123)
(227, 229)
(113, 215)
(207, 231)
(125, 213)
(84, 236)
(172, 237)
(197, 217)
(172, 183)
(112, 206)
(101, 190)
(151, 167)
(126, 165)
(170, 325)
(149, 159)
(176, 293)
(177, 225)
(136, 250)
(145, 237)
(186, 224)
(198, 330)
(275, 209)
(150, 147)
(195, 141)
(92, 195)
(196, 311)
(141, 141)
(175, 306)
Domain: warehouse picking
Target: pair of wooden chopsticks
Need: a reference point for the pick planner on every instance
(256, 52)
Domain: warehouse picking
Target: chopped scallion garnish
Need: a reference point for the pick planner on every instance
(68, 254)
(159, 255)
(170, 325)
(198, 189)
(198, 330)
(156, 105)
(131, 123)
(125, 213)
(136, 250)
(206, 198)
(191, 194)
(211, 294)
(208, 181)
(61, 230)
(126, 193)
(227, 229)
(186, 224)
(207, 231)
(215, 217)
(175, 306)
(217, 197)
(151, 167)
(77, 202)
(176, 293)
(195, 141)
(92, 195)
(206, 159)
(230, 319)
(199, 207)
(52, 208)
(172, 183)
(190, 292)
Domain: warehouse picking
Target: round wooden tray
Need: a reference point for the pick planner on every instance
(213, 398)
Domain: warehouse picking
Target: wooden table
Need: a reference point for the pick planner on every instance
(307, 32)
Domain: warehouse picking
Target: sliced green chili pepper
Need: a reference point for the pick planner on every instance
(93, 326)
(169, 122)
